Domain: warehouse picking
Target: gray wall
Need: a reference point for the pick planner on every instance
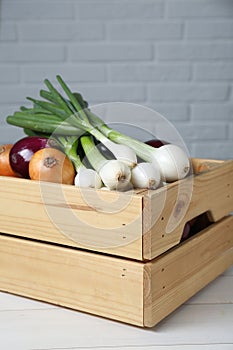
(175, 56)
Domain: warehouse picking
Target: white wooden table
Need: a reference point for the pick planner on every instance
(205, 322)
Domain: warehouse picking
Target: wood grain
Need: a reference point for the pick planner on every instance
(168, 209)
(126, 290)
(105, 221)
(139, 225)
(93, 283)
(177, 275)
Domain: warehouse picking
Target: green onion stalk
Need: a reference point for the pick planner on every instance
(172, 161)
(71, 117)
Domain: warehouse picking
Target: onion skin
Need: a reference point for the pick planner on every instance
(23, 150)
(52, 165)
(5, 167)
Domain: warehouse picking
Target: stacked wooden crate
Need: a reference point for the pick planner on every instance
(117, 255)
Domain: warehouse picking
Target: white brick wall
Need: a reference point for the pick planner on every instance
(175, 56)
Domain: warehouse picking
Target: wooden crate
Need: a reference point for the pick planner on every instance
(121, 289)
(125, 263)
(139, 225)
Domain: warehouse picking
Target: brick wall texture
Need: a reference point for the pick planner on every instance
(174, 56)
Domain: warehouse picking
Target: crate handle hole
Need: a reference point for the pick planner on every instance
(195, 225)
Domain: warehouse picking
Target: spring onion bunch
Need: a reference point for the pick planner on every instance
(172, 160)
(69, 120)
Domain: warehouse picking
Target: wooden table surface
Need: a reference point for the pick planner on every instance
(205, 322)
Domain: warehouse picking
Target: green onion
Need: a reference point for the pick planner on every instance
(121, 152)
(69, 146)
(72, 98)
(70, 116)
(94, 156)
(49, 107)
(41, 123)
(115, 174)
(58, 97)
(173, 162)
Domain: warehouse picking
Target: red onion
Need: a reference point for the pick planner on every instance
(156, 143)
(23, 150)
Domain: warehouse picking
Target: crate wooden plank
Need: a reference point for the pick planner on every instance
(94, 283)
(166, 210)
(104, 221)
(200, 165)
(180, 273)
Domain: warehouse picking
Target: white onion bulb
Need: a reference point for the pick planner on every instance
(173, 162)
(87, 178)
(115, 175)
(146, 175)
